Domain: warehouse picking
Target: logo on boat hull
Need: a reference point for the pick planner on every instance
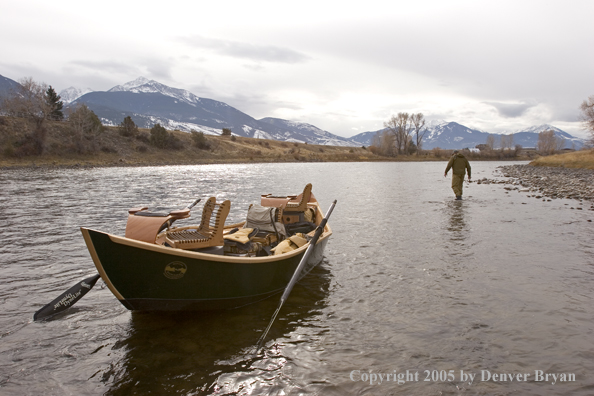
(175, 270)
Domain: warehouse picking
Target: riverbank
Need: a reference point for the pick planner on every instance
(544, 182)
(60, 146)
(577, 159)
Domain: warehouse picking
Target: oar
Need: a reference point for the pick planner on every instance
(190, 206)
(75, 293)
(67, 299)
(312, 243)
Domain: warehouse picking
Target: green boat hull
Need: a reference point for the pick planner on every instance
(151, 277)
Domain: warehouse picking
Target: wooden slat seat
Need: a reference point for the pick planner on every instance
(208, 233)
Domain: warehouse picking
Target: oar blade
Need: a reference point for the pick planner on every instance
(67, 299)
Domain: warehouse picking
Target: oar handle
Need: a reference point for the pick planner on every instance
(190, 206)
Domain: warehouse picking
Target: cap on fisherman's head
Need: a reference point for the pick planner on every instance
(455, 151)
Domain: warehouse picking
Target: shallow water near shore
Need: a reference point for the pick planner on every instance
(414, 284)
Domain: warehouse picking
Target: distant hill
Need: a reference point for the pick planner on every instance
(149, 102)
(365, 138)
(451, 135)
(529, 137)
(7, 86)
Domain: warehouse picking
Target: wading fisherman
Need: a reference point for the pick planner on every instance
(459, 164)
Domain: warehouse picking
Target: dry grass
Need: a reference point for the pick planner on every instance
(577, 159)
(110, 148)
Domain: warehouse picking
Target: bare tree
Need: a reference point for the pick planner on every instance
(418, 122)
(559, 143)
(86, 127)
(401, 127)
(507, 141)
(587, 116)
(392, 128)
(29, 101)
(490, 144)
(384, 143)
(548, 143)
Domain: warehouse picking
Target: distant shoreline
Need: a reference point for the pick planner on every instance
(61, 148)
(89, 163)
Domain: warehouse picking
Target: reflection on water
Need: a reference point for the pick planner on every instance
(458, 245)
(457, 225)
(412, 280)
(212, 351)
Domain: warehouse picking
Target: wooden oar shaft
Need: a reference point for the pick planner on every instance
(303, 262)
(297, 273)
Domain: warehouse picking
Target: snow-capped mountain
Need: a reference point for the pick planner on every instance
(451, 135)
(292, 131)
(529, 136)
(149, 102)
(69, 95)
(144, 85)
(442, 134)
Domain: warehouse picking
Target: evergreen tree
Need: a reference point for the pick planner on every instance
(86, 127)
(128, 127)
(200, 140)
(159, 136)
(55, 105)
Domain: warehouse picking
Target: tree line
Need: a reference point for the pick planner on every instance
(403, 134)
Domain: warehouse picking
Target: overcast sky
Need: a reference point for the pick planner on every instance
(498, 66)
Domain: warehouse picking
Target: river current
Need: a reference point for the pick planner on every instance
(418, 294)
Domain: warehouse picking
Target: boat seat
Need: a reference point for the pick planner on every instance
(144, 226)
(297, 210)
(294, 203)
(293, 208)
(209, 232)
(299, 205)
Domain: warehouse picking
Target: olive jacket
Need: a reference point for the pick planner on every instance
(459, 164)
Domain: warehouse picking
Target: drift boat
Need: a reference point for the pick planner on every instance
(211, 266)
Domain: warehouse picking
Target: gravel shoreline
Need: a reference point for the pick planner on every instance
(543, 181)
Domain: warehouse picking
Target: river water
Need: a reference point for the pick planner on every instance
(489, 295)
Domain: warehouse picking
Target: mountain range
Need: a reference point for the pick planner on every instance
(149, 102)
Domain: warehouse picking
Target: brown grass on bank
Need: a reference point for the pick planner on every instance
(577, 159)
(111, 148)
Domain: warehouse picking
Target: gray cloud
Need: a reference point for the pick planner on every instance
(495, 65)
(150, 67)
(250, 51)
(158, 68)
(511, 110)
(106, 66)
